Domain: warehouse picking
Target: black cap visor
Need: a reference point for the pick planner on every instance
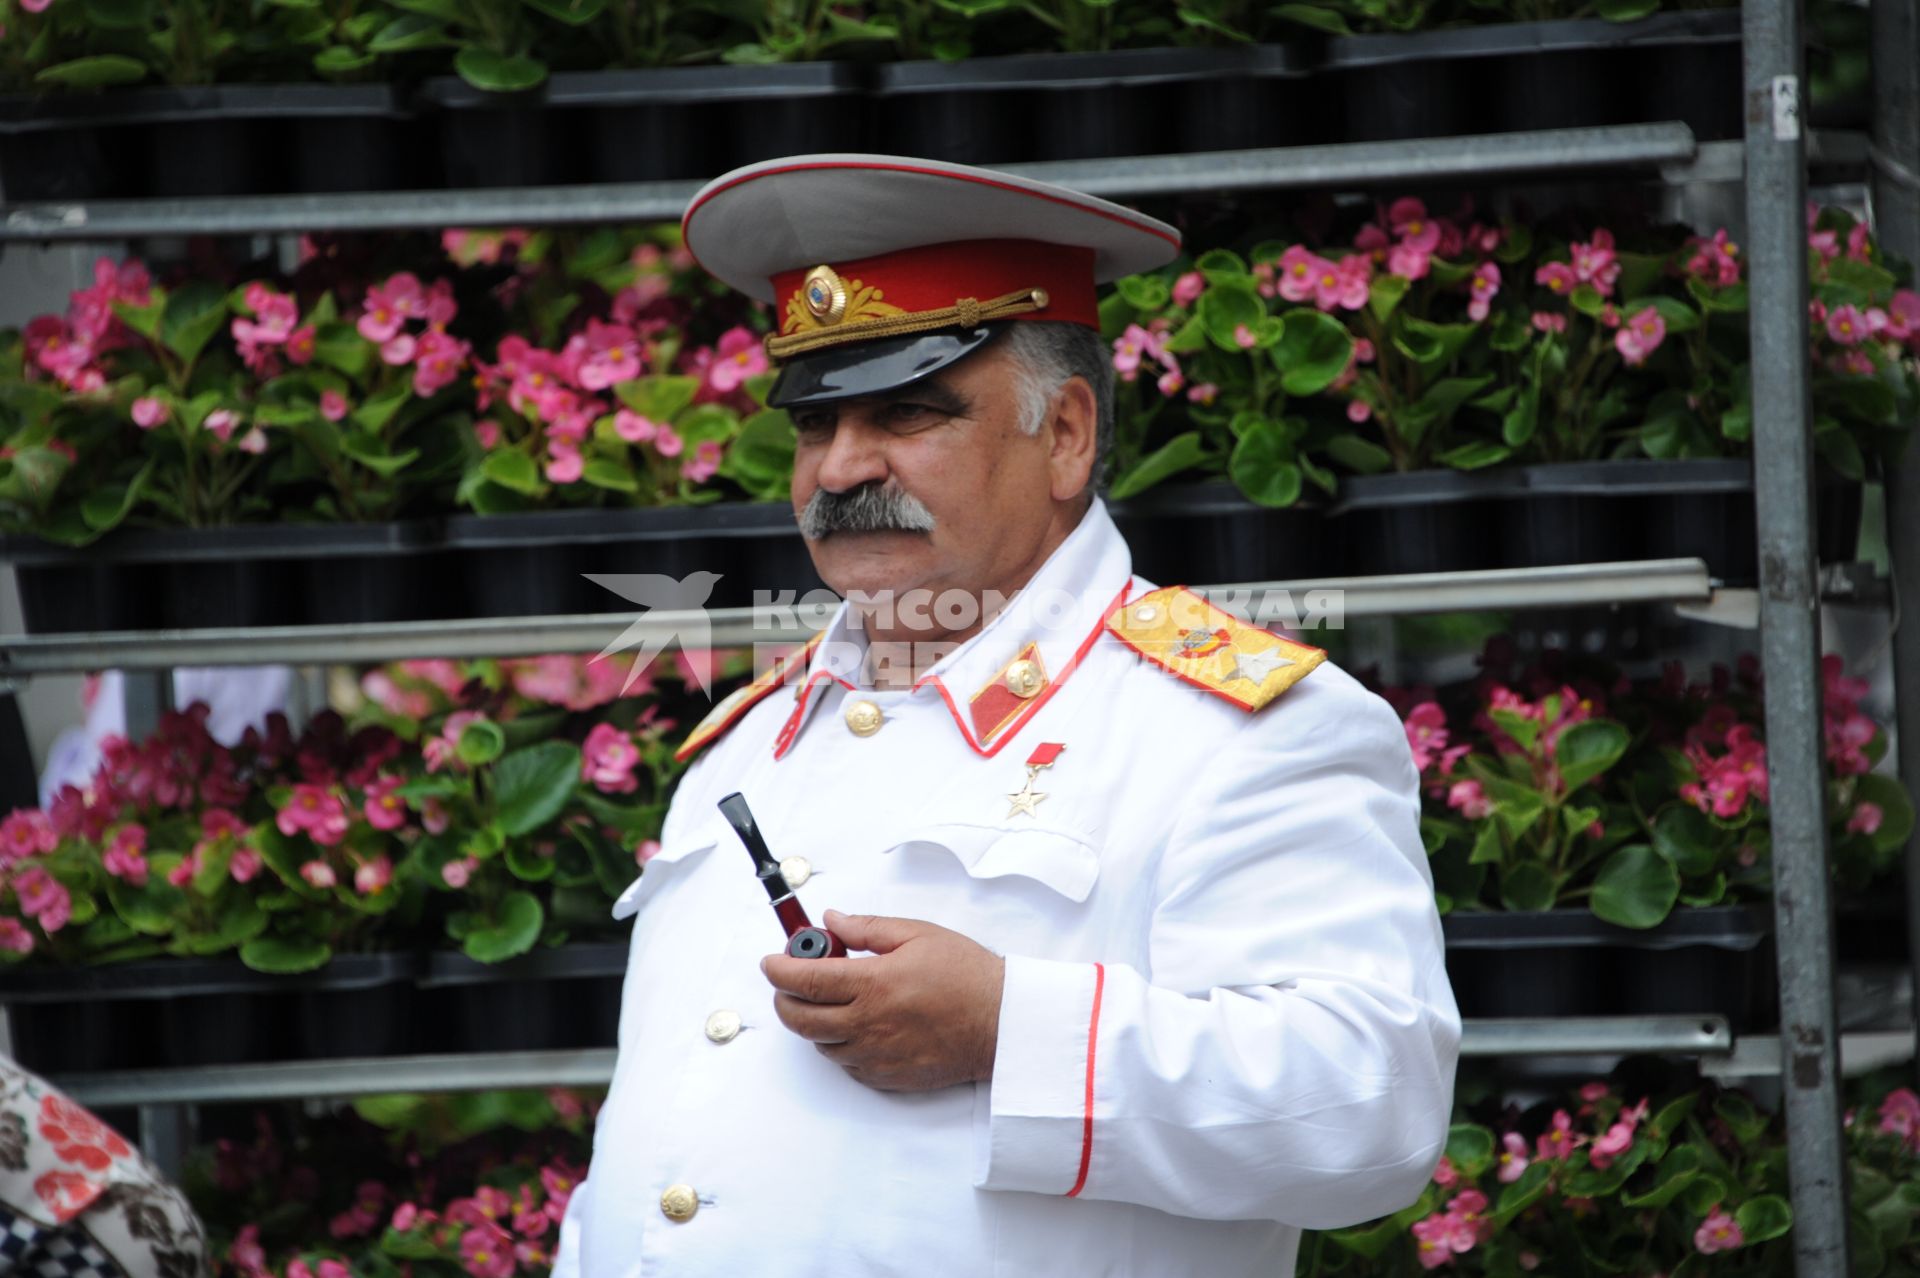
(872, 368)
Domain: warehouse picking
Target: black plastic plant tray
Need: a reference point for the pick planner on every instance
(1422, 521)
(1732, 927)
(1210, 533)
(546, 1000)
(203, 977)
(565, 962)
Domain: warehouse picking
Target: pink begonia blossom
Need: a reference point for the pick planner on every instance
(443, 749)
(333, 405)
(1617, 1140)
(15, 937)
(1433, 1241)
(1716, 261)
(1243, 337)
(1133, 347)
(438, 360)
(26, 832)
(398, 349)
(565, 465)
(1409, 261)
(385, 810)
(1847, 326)
(1407, 219)
(404, 1217)
(1903, 315)
(254, 441)
(737, 356)
(1596, 263)
(1358, 410)
(1470, 800)
(1349, 287)
(646, 851)
(303, 344)
(613, 355)
(608, 758)
(1866, 819)
(331, 1268)
(434, 816)
(1468, 1211)
(1640, 336)
(221, 422)
(1486, 285)
(1299, 269)
(1718, 1232)
(1548, 322)
(457, 874)
(1203, 393)
(633, 428)
(126, 857)
(1558, 277)
(1558, 1140)
(1445, 1174)
(247, 1254)
(391, 304)
(245, 864)
(149, 411)
(1513, 1160)
(1188, 288)
(315, 811)
(487, 434)
(667, 443)
(705, 462)
(1374, 242)
(369, 877)
(1363, 352)
(1900, 1116)
(318, 874)
(1171, 382)
(43, 897)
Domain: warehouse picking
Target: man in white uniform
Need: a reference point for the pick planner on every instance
(1145, 974)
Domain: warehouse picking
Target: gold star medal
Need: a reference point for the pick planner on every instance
(1026, 799)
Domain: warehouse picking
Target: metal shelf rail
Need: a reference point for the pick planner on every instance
(1649, 581)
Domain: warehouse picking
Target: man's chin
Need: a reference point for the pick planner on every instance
(870, 562)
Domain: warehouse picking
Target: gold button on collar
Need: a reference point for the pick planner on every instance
(1024, 679)
(723, 1026)
(796, 870)
(864, 718)
(679, 1203)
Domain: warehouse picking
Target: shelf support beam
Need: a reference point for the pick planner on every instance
(1790, 631)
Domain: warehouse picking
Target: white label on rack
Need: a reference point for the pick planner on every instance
(1786, 108)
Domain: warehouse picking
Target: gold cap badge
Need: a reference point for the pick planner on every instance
(826, 294)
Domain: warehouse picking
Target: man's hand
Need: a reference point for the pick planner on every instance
(922, 1015)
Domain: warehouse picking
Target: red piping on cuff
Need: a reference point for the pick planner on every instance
(1093, 1040)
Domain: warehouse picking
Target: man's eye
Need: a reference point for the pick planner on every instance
(813, 423)
(908, 412)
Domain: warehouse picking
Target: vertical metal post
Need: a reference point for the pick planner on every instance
(1790, 633)
(148, 694)
(1895, 48)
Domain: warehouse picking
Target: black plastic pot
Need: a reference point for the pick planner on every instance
(365, 1009)
(1401, 86)
(1568, 963)
(545, 1000)
(71, 1037)
(536, 564)
(1072, 106)
(67, 148)
(1210, 533)
(243, 575)
(499, 139)
(1423, 521)
(336, 137)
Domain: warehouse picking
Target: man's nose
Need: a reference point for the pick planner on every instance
(857, 455)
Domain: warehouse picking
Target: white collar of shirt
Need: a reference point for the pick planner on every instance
(1052, 622)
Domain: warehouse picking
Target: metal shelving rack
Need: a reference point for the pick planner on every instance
(1772, 161)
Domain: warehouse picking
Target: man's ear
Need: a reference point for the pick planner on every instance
(1072, 430)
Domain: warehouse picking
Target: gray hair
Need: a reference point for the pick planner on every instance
(1048, 353)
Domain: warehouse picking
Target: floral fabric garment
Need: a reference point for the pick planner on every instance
(77, 1201)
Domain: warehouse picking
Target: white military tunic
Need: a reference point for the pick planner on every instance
(1226, 1016)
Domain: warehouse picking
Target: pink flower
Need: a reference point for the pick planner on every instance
(1131, 348)
(1595, 262)
(434, 817)
(1358, 410)
(1433, 1241)
(44, 896)
(1486, 284)
(608, 758)
(1409, 261)
(566, 465)
(1444, 1173)
(331, 1268)
(1171, 382)
(1468, 1211)
(244, 865)
(487, 433)
(254, 441)
(385, 810)
(333, 405)
(438, 360)
(1900, 1116)
(302, 344)
(1617, 1140)
(1558, 277)
(1718, 1232)
(15, 937)
(456, 874)
(531, 1224)
(317, 811)
(737, 356)
(125, 858)
(1548, 322)
(1866, 819)
(1426, 728)
(1715, 261)
(1203, 393)
(1299, 273)
(149, 411)
(1847, 326)
(1243, 337)
(1558, 1140)
(1903, 315)
(613, 355)
(221, 422)
(1860, 243)
(1188, 288)
(1470, 800)
(318, 873)
(1349, 286)
(36, 6)
(667, 443)
(487, 1251)
(648, 849)
(404, 1217)
(371, 876)
(1407, 218)
(388, 306)
(26, 832)
(633, 428)
(1640, 336)
(246, 1253)
(1513, 1159)
(705, 462)
(398, 349)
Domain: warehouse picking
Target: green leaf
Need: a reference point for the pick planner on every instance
(100, 72)
(1144, 292)
(761, 457)
(1523, 1193)
(511, 930)
(658, 399)
(1763, 1219)
(1475, 456)
(1896, 809)
(530, 786)
(104, 508)
(1226, 308)
(1636, 887)
(1737, 1112)
(340, 347)
(1876, 282)
(1385, 294)
(1263, 465)
(1679, 1169)
(1587, 749)
(1686, 837)
(512, 470)
(526, 864)
(1313, 15)
(1180, 453)
(1679, 317)
(339, 59)
(605, 472)
(284, 955)
(1433, 346)
(118, 15)
(1527, 887)
(1470, 1149)
(151, 908)
(575, 13)
(492, 72)
(1361, 456)
(1314, 350)
(194, 313)
(373, 454)
(1487, 847)
(407, 33)
(480, 742)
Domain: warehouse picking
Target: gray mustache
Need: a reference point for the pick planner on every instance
(868, 508)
